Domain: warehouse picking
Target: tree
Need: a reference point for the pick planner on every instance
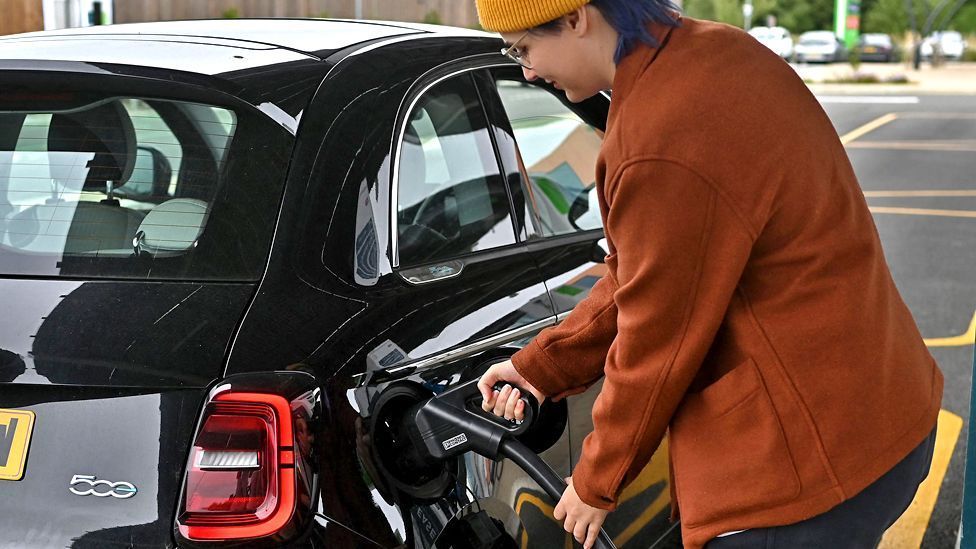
(887, 16)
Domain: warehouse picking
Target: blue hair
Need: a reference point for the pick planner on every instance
(630, 19)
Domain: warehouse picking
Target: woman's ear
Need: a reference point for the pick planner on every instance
(578, 21)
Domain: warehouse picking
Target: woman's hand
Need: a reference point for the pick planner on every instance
(506, 403)
(578, 518)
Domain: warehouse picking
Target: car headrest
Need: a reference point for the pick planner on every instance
(105, 130)
(413, 164)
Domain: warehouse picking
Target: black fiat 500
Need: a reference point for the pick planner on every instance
(233, 253)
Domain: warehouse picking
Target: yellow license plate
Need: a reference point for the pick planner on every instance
(15, 433)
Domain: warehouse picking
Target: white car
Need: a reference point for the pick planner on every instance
(951, 44)
(777, 39)
(820, 46)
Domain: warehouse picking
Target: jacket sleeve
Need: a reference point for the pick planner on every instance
(568, 358)
(681, 250)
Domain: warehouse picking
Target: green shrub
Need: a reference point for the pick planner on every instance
(970, 55)
(232, 13)
(433, 17)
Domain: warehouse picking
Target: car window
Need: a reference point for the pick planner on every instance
(451, 198)
(559, 153)
(119, 187)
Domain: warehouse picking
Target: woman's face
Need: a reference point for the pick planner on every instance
(562, 59)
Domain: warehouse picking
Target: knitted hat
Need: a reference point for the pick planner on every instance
(517, 15)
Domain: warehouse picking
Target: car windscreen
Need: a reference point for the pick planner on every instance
(117, 186)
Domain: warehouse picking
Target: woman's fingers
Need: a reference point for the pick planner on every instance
(591, 534)
(502, 400)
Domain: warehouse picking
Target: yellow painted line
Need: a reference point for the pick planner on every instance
(923, 194)
(961, 340)
(922, 211)
(656, 471)
(539, 503)
(869, 127)
(945, 146)
(907, 532)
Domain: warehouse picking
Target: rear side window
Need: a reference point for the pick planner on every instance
(559, 153)
(451, 197)
(121, 187)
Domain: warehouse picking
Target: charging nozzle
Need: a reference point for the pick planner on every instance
(453, 422)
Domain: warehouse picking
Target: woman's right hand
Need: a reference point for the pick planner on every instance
(506, 403)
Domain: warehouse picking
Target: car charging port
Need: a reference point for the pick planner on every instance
(410, 470)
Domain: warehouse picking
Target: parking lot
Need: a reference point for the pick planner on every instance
(913, 155)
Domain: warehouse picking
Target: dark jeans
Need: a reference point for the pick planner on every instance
(854, 524)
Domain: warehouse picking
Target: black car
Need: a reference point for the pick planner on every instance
(233, 253)
(876, 47)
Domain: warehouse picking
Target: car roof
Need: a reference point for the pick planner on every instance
(310, 36)
(260, 60)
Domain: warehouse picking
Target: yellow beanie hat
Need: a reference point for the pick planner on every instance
(516, 15)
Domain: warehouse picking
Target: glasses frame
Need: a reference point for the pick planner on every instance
(517, 57)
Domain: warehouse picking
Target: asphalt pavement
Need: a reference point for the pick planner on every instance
(913, 151)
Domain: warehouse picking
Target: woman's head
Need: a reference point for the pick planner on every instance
(574, 44)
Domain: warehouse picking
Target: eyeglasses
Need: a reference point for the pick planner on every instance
(514, 54)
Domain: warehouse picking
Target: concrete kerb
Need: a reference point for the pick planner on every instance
(951, 78)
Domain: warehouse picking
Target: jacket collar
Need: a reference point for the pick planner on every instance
(633, 65)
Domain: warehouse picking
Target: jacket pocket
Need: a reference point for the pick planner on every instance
(729, 449)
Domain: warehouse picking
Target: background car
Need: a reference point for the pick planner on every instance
(777, 39)
(819, 46)
(234, 253)
(876, 47)
(950, 44)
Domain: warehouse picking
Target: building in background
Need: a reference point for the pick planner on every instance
(448, 12)
(34, 15)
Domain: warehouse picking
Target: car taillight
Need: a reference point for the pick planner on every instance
(240, 480)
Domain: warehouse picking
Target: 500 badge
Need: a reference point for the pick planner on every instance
(87, 485)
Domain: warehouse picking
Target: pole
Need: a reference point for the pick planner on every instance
(359, 9)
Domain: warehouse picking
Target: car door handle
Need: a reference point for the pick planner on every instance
(432, 273)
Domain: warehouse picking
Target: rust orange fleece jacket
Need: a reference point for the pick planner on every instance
(748, 309)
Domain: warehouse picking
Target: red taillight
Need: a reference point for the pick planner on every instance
(240, 480)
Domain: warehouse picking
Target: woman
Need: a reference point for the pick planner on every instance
(747, 311)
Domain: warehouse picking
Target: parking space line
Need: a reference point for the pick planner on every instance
(907, 532)
(961, 145)
(923, 194)
(966, 338)
(922, 211)
(869, 127)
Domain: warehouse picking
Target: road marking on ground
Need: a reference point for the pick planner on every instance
(923, 194)
(869, 127)
(960, 145)
(871, 99)
(922, 211)
(966, 338)
(907, 532)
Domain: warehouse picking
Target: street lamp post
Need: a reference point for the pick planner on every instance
(747, 15)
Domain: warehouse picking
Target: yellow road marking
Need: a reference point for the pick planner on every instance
(907, 532)
(922, 211)
(960, 145)
(656, 470)
(539, 503)
(924, 194)
(869, 127)
(961, 340)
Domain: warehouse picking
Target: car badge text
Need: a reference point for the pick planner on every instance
(87, 485)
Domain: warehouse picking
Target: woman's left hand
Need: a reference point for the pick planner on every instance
(578, 518)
